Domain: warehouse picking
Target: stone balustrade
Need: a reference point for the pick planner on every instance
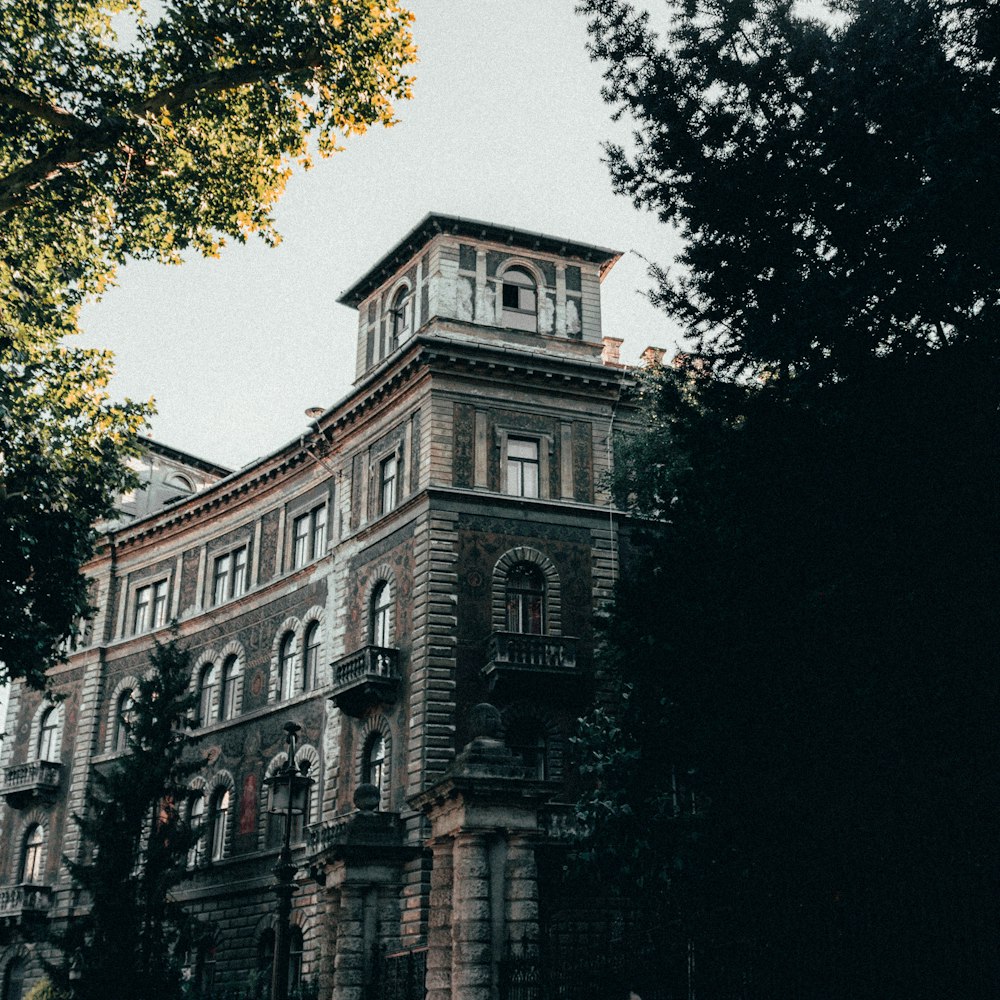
(16, 900)
(35, 778)
(520, 654)
(367, 676)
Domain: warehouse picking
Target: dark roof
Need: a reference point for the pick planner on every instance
(434, 223)
(182, 456)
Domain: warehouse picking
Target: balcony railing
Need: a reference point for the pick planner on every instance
(525, 658)
(367, 676)
(34, 779)
(18, 900)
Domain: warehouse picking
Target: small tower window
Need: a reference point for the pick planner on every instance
(401, 313)
(520, 300)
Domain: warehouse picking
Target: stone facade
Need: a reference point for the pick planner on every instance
(438, 539)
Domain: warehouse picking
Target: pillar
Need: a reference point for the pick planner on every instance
(439, 922)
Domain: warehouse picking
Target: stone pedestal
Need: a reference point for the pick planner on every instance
(359, 861)
(484, 884)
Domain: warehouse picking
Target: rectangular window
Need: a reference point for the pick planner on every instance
(229, 576)
(300, 540)
(150, 607)
(239, 571)
(220, 580)
(318, 532)
(522, 467)
(309, 536)
(387, 480)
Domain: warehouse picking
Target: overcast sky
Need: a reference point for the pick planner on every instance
(505, 125)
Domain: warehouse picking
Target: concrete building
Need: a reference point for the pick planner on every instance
(438, 539)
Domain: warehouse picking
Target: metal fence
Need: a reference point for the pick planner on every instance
(399, 976)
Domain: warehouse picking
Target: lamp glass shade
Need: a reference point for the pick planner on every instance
(288, 793)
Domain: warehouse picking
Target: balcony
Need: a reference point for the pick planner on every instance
(517, 658)
(36, 779)
(368, 676)
(18, 901)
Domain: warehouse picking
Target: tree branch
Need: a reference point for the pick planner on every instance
(51, 114)
(219, 81)
(20, 184)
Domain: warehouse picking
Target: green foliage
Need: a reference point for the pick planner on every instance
(806, 632)
(143, 130)
(133, 939)
(44, 990)
(134, 129)
(62, 461)
(830, 177)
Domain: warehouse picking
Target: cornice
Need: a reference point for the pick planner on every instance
(425, 353)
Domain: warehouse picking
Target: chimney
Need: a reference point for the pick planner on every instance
(611, 354)
(652, 357)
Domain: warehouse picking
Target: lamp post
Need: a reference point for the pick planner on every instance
(288, 795)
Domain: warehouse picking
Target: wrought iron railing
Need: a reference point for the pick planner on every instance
(17, 899)
(35, 774)
(522, 651)
(399, 976)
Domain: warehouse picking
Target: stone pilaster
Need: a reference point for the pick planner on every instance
(439, 922)
(484, 883)
(471, 929)
(522, 895)
(349, 965)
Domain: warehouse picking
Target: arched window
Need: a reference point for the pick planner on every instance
(218, 818)
(286, 666)
(206, 691)
(296, 947)
(526, 739)
(13, 980)
(265, 959)
(124, 712)
(373, 763)
(31, 857)
(401, 313)
(203, 977)
(520, 300)
(48, 735)
(230, 687)
(310, 672)
(381, 615)
(196, 817)
(525, 599)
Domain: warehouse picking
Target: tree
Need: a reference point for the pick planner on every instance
(796, 772)
(142, 130)
(132, 941)
(63, 452)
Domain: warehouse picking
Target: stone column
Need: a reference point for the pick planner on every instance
(472, 928)
(439, 922)
(329, 909)
(522, 895)
(349, 967)
(483, 814)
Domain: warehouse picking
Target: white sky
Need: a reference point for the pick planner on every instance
(505, 125)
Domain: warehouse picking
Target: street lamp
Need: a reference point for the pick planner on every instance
(288, 795)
